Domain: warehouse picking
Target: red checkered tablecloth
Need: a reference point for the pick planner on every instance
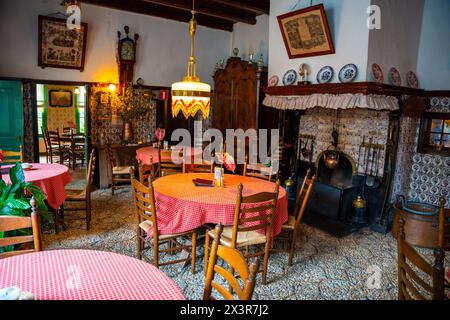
(181, 206)
(86, 275)
(51, 178)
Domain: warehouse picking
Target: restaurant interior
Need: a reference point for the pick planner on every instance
(225, 149)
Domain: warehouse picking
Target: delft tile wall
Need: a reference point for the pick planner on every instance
(353, 125)
(103, 128)
(429, 174)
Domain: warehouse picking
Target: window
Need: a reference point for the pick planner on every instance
(435, 133)
(40, 100)
(81, 105)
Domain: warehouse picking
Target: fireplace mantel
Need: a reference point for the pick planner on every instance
(366, 88)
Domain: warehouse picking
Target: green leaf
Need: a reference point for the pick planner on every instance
(18, 204)
(8, 211)
(16, 174)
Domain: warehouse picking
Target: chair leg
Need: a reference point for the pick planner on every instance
(88, 216)
(292, 248)
(56, 220)
(205, 262)
(266, 262)
(112, 186)
(139, 243)
(193, 250)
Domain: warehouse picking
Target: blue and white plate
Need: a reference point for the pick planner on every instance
(325, 74)
(348, 73)
(290, 78)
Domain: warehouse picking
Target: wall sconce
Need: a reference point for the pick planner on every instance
(112, 87)
(76, 91)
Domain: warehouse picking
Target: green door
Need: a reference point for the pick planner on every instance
(11, 115)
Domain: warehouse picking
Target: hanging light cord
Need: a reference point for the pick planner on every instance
(191, 71)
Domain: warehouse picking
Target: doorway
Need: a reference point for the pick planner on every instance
(62, 123)
(11, 111)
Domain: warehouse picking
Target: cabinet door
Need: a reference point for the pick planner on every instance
(223, 96)
(245, 99)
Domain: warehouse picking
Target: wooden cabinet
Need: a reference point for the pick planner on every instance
(237, 95)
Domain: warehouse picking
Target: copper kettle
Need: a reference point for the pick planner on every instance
(331, 159)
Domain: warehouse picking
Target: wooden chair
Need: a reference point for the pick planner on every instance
(83, 196)
(46, 143)
(117, 172)
(444, 225)
(146, 172)
(12, 156)
(237, 262)
(144, 203)
(258, 170)
(292, 227)
(58, 151)
(77, 149)
(10, 223)
(252, 213)
(167, 167)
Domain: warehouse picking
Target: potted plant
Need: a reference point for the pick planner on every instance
(15, 201)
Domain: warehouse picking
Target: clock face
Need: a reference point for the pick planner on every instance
(127, 51)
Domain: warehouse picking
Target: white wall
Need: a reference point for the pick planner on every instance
(252, 38)
(433, 68)
(163, 47)
(396, 44)
(347, 19)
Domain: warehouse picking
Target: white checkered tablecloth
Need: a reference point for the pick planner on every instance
(86, 275)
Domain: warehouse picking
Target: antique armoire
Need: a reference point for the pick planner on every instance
(238, 95)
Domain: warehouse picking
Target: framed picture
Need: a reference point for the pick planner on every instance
(60, 98)
(104, 98)
(60, 47)
(306, 32)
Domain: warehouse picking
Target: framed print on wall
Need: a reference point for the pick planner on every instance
(60, 98)
(306, 32)
(60, 47)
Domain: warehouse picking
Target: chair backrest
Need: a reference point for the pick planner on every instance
(236, 262)
(13, 156)
(303, 197)
(90, 171)
(145, 172)
(166, 166)
(111, 158)
(44, 136)
(54, 139)
(10, 223)
(67, 130)
(426, 284)
(77, 139)
(254, 212)
(444, 225)
(258, 171)
(144, 203)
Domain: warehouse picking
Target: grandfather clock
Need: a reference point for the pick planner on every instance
(126, 54)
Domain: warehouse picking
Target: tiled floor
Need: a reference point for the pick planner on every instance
(324, 267)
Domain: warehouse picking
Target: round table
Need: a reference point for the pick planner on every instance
(86, 275)
(146, 153)
(50, 178)
(181, 206)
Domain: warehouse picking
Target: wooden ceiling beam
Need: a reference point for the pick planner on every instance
(160, 11)
(256, 6)
(210, 9)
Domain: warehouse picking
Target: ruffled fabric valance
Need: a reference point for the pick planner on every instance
(333, 101)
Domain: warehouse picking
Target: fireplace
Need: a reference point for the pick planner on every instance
(330, 205)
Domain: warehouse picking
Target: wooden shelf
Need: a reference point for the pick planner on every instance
(342, 88)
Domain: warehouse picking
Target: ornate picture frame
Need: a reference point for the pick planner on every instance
(60, 98)
(306, 32)
(60, 47)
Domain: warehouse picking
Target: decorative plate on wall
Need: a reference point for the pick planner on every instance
(411, 80)
(290, 77)
(348, 73)
(377, 73)
(325, 74)
(394, 77)
(273, 81)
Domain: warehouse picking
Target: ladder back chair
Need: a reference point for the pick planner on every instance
(259, 170)
(144, 204)
(237, 262)
(426, 284)
(76, 150)
(46, 144)
(116, 172)
(146, 171)
(166, 166)
(11, 223)
(252, 214)
(59, 152)
(83, 196)
(292, 227)
(13, 156)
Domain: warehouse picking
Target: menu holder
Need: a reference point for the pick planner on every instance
(203, 183)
